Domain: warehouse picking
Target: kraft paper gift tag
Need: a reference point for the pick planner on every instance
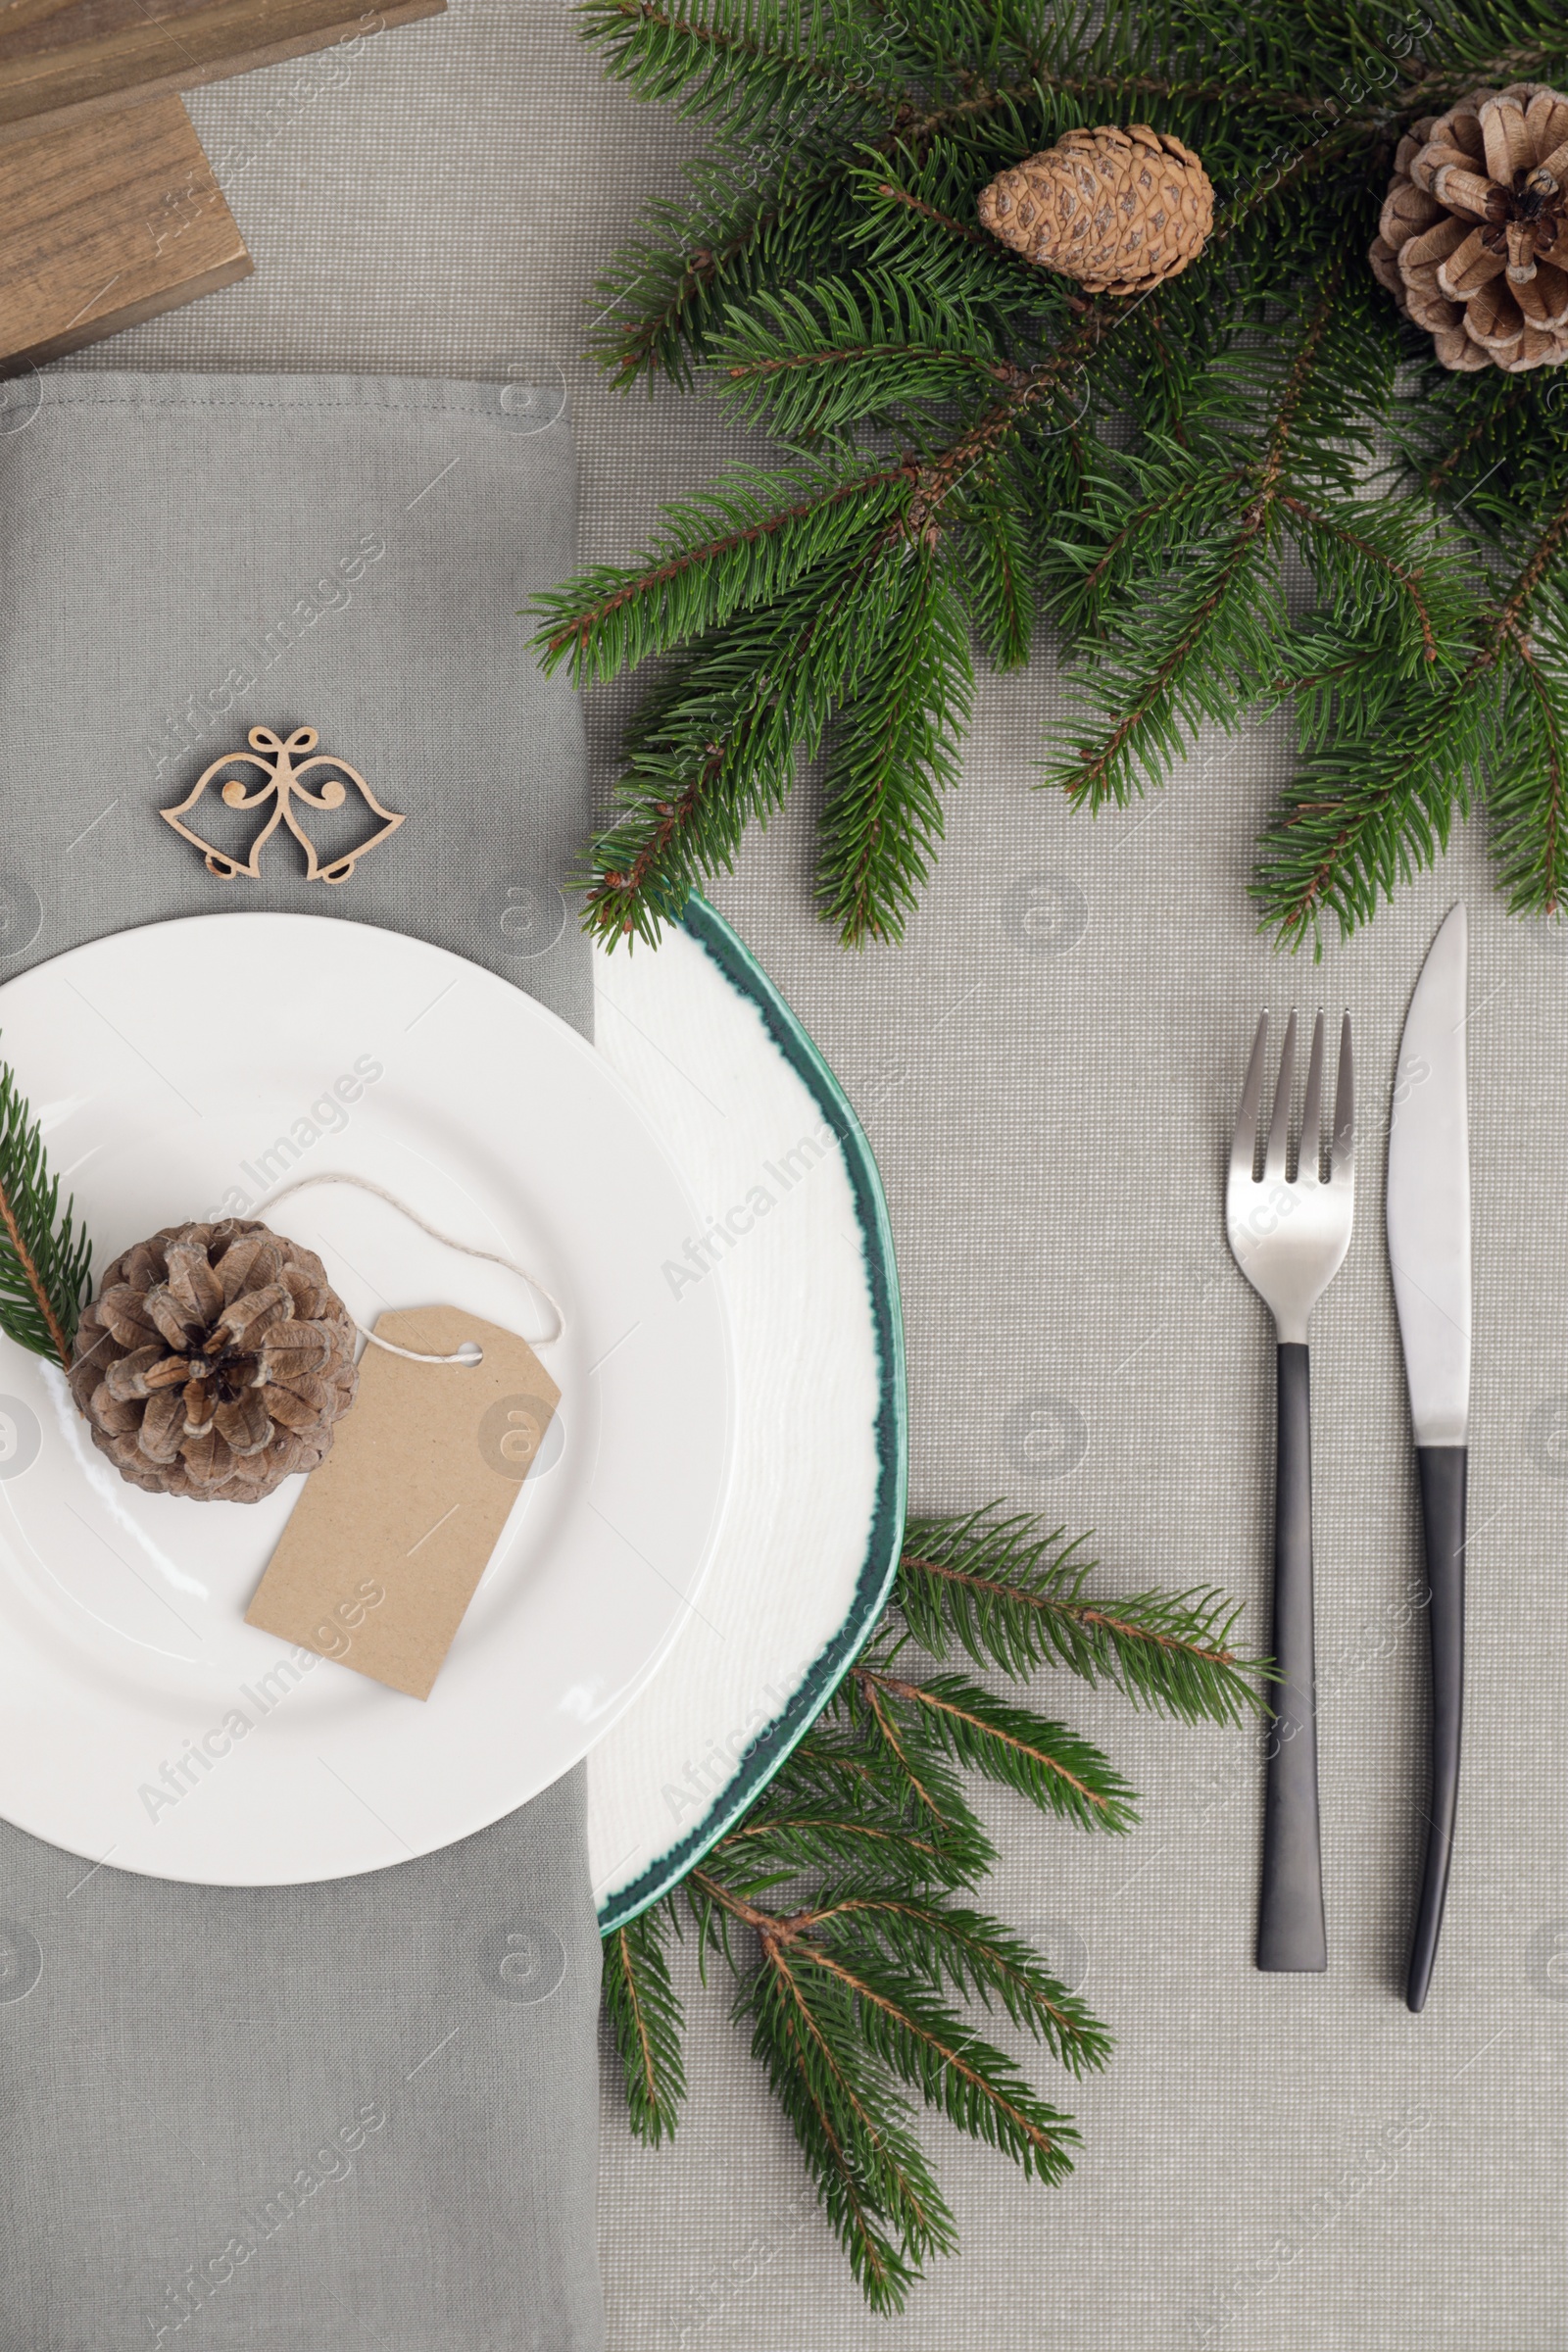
(397, 1526)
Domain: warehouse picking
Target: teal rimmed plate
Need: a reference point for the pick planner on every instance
(796, 1235)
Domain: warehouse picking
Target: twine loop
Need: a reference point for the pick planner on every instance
(470, 1354)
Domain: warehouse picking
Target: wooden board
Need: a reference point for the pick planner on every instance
(106, 224)
(64, 60)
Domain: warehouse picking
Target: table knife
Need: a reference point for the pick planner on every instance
(1428, 1252)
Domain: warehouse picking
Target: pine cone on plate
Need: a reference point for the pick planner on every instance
(214, 1361)
(1120, 211)
(1473, 242)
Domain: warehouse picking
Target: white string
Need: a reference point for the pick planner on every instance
(471, 1352)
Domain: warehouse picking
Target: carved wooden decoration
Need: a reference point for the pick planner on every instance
(282, 785)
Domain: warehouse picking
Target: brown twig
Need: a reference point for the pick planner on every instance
(24, 1258)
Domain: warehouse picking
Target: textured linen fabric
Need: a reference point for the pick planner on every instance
(291, 2117)
(1048, 1071)
(190, 557)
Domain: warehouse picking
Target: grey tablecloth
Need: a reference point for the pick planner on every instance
(1048, 1071)
(295, 2117)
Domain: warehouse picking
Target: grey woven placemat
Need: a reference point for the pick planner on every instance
(299, 2116)
(1049, 1100)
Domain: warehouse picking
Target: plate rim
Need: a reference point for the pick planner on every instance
(782, 1734)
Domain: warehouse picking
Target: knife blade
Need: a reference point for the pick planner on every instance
(1429, 1254)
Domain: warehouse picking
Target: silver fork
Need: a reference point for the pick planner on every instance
(1289, 1234)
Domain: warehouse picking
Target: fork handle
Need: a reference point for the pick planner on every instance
(1290, 1934)
(1443, 1471)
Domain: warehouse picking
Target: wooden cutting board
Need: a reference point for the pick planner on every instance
(105, 223)
(64, 60)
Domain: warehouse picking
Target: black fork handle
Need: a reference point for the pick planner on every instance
(1291, 1933)
(1443, 1470)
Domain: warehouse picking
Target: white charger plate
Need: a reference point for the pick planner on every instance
(126, 1669)
(795, 1235)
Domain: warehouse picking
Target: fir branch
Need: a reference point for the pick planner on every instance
(923, 2043)
(1530, 781)
(922, 1777)
(1439, 470)
(871, 2174)
(1211, 643)
(919, 2039)
(774, 1849)
(1147, 472)
(1012, 1596)
(663, 298)
(1362, 818)
(1040, 1759)
(714, 749)
(865, 352)
(743, 60)
(979, 1959)
(646, 2018)
(1404, 578)
(840, 1904)
(1358, 823)
(993, 566)
(739, 546)
(45, 1257)
(894, 754)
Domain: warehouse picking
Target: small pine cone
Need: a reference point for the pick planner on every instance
(1473, 241)
(214, 1362)
(1120, 211)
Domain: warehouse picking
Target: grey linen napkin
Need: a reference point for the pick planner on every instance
(303, 2116)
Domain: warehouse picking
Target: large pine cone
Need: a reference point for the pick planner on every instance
(214, 1361)
(1473, 242)
(1120, 211)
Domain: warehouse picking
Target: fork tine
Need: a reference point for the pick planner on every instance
(1343, 1165)
(1243, 1144)
(1279, 1126)
(1309, 1157)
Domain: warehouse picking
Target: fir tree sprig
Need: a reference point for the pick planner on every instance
(1013, 1596)
(645, 2017)
(45, 1256)
(972, 446)
(841, 1904)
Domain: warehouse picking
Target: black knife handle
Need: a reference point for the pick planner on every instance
(1443, 1471)
(1291, 1933)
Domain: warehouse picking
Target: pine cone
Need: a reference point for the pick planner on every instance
(214, 1361)
(1120, 211)
(1473, 242)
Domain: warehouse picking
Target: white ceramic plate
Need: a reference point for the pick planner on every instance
(185, 1071)
(795, 1235)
